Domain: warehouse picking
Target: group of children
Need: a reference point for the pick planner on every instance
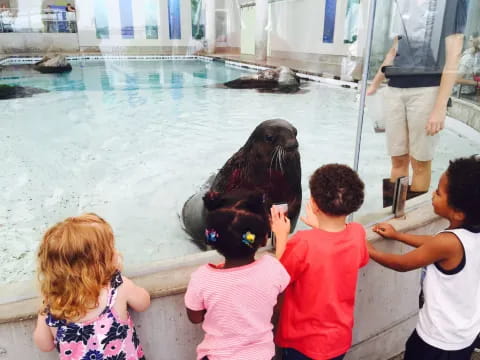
(307, 289)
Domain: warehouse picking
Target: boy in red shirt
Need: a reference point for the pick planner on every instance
(316, 318)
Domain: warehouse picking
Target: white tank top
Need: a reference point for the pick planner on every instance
(450, 318)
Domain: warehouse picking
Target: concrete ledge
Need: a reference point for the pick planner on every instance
(466, 111)
(386, 344)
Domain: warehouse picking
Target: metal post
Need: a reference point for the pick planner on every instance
(210, 31)
(261, 17)
(363, 86)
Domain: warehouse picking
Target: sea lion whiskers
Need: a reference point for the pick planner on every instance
(274, 155)
(277, 158)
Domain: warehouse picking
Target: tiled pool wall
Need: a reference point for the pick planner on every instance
(308, 76)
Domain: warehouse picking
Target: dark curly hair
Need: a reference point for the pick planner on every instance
(231, 216)
(463, 189)
(337, 189)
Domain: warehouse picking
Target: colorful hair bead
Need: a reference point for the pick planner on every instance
(211, 236)
(248, 239)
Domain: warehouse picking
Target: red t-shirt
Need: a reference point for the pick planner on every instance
(317, 313)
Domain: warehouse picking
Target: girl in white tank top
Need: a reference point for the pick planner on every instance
(449, 320)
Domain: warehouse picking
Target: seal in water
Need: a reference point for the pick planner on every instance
(281, 79)
(16, 91)
(268, 162)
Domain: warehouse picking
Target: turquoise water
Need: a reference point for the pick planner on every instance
(132, 140)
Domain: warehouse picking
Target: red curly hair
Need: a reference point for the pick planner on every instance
(76, 259)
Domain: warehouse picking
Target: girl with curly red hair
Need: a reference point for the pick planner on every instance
(85, 296)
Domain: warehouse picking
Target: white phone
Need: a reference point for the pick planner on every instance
(281, 207)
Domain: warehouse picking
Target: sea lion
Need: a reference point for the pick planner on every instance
(268, 162)
(16, 91)
(281, 79)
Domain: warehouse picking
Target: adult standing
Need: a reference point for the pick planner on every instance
(421, 68)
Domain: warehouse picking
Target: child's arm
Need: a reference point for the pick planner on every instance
(281, 228)
(137, 297)
(388, 231)
(276, 310)
(196, 317)
(42, 336)
(444, 247)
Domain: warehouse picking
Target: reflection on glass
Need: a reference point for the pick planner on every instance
(420, 41)
(101, 19)
(221, 26)
(154, 79)
(351, 21)
(198, 20)
(105, 81)
(126, 19)
(329, 21)
(151, 24)
(468, 80)
(174, 19)
(467, 87)
(176, 80)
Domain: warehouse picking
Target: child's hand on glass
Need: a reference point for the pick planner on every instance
(310, 219)
(386, 230)
(279, 222)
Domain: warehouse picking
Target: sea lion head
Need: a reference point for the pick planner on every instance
(269, 155)
(273, 144)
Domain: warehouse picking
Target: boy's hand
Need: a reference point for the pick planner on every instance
(310, 219)
(386, 230)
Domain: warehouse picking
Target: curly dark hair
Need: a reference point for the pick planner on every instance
(463, 189)
(337, 189)
(231, 216)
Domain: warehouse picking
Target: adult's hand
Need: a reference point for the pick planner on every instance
(436, 122)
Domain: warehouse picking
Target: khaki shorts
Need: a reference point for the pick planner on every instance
(406, 115)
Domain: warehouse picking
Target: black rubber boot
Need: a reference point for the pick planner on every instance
(411, 194)
(388, 188)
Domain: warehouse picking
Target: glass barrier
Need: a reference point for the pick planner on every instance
(142, 121)
(418, 66)
(468, 83)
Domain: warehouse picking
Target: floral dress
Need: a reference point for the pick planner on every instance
(106, 337)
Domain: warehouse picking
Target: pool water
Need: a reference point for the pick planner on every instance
(132, 140)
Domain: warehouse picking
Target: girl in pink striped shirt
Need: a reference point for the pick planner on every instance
(235, 300)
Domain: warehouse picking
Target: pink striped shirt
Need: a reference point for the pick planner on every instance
(239, 303)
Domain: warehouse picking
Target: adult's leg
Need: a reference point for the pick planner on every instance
(422, 174)
(420, 102)
(397, 140)
(400, 165)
